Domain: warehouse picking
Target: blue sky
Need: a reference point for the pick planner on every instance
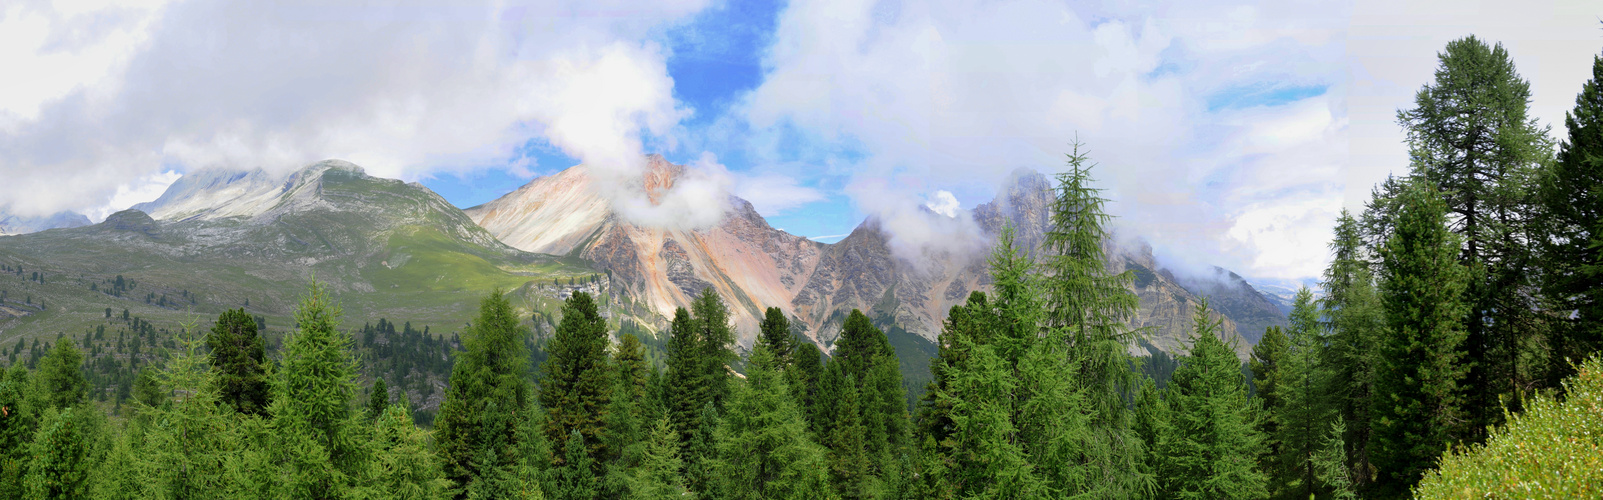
(1226, 132)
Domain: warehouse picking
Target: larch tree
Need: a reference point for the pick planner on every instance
(764, 448)
(1470, 136)
(60, 377)
(1212, 443)
(1090, 306)
(1304, 412)
(321, 447)
(1417, 407)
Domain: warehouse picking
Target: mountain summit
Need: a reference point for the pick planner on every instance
(755, 266)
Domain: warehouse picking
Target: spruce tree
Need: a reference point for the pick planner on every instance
(1267, 358)
(764, 448)
(1090, 306)
(1572, 202)
(1470, 136)
(806, 370)
(1355, 322)
(849, 462)
(574, 478)
(576, 389)
(60, 376)
(477, 429)
(238, 354)
(1212, 437)
(378, 398)
(684, 393)
(717, 340)
(17, 425)
(1304, 411)
(1417, 407)
(323, 454)
(774, 332)
(627, 416)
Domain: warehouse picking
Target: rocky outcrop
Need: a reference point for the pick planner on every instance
(754, 266)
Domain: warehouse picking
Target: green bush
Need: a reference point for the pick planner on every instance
(1552, 450)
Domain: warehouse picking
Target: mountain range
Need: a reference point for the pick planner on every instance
(398, 250)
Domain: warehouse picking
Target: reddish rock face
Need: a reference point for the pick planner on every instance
(754, 266)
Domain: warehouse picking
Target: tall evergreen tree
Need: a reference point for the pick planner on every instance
(190, 443)
(576, 390)
(378, 399)
(1572, 202)
(1355, 321)
(476, 431)
(63, 456)
(774, 332)
(322, 451)
(1303, 414)
(684, 393)
(807, 368)
(574, 478)
(238, 354)
(657, 477)
(717, 339)
(1417, 408)
(1091, 307)
(60, 377)
(405, 468)
(1212, 441)
(1268, 356)
(17, 425)
(764, 448)
(1470, 136)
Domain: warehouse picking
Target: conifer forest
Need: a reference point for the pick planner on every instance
(1453, 353)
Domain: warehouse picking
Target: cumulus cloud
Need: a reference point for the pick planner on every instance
(915, 232)
(943, 202)
(958, 93)
(403, 90)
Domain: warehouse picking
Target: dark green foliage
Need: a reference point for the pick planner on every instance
(717, 340)
(865, 371)
(1417, 407)
(1265, 364)
(63, 456)
(238, 355)
(1572, 202)
(575, 478)
(17, 424)
(1355, 321)
(774, 332)
(684, 393)
(1470, 136)
(378, 399)
(576, 389)
(807, 368)
(476, 432)
(1212, 440)
(60, 377)
(1303, 412)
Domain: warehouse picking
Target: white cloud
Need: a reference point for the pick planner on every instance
(943, 202)
(954, 94)
(404, 90)
(141, 190)
(771, 194)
